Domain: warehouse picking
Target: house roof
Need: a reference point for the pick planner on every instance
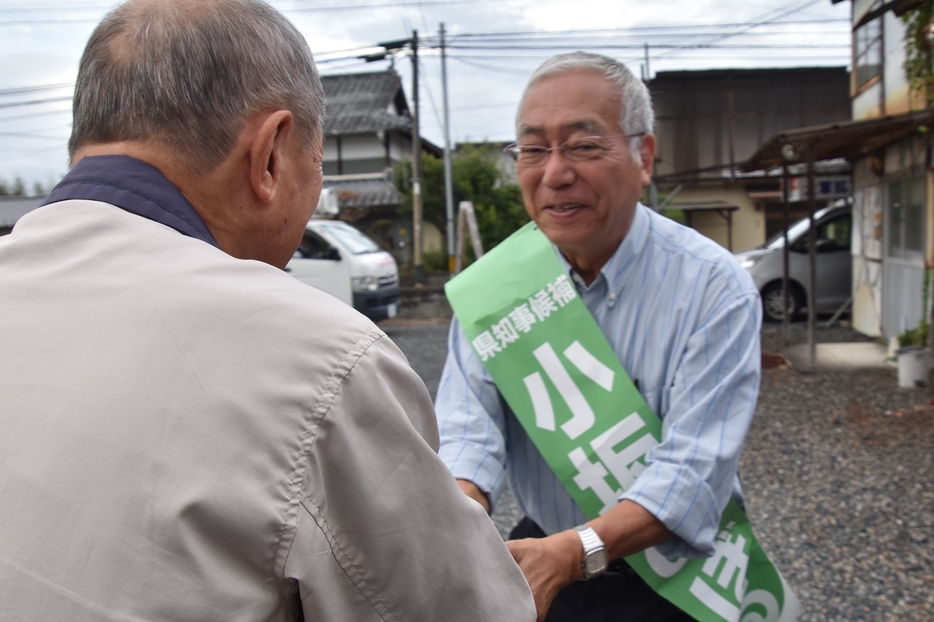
(359, 195)
(363, 103)
(846, 139)
(14, 208)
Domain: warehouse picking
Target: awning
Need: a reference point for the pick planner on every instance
(846, 139)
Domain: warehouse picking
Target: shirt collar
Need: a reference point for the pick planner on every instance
(614, 271)
(135, 186)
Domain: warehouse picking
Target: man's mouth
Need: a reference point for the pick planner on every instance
(560, 209)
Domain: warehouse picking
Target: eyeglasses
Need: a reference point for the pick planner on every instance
(575, 150)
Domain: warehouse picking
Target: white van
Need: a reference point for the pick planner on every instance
(342, 261)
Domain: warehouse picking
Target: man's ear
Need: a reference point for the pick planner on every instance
(647, 157)
(266, 153)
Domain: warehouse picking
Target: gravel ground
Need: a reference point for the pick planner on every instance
(838, 470)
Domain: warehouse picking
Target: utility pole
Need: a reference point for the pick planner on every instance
(448, 171)
(416, 172)
(648, 69)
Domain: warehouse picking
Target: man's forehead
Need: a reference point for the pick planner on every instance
(570, 127)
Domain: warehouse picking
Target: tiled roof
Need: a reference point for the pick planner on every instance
(14, 208)
(362, 103)
(353, 194)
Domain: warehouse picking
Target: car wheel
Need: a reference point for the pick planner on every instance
(772, 302)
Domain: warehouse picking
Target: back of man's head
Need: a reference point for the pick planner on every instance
(186, 75)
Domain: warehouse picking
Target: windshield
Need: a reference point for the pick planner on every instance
(794, 231)
(352, 240)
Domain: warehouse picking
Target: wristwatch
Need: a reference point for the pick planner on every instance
(594, 562)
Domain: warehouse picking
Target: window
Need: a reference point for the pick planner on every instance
(313, 247)
(867, 50)
(832, 235)
(906, 218)
(837, 231)
(353, 240)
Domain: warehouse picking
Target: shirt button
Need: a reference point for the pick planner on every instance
(611, 300)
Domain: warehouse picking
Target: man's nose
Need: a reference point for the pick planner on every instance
(557, 170)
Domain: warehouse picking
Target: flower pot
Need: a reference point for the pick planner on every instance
(912, 366)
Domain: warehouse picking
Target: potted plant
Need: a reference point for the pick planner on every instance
(913, 356)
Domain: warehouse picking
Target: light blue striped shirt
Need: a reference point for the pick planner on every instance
(684, 320)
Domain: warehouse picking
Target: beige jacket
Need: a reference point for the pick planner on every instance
(187, 436)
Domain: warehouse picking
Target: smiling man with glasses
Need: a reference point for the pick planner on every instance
(681, 316)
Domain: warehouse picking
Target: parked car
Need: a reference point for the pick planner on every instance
(342, 261)
(834, 265)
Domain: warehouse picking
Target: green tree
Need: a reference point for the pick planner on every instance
(19, 188)
(919, 58)
(477, 178)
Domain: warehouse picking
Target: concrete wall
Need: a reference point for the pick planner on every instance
(888, 291)
(707, 119)
(890, 95)
(748, 220)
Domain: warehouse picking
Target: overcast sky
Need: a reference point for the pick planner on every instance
(495, 44)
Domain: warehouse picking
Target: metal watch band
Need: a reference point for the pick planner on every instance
(595, 559)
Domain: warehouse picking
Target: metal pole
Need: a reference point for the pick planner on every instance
(648, 70)
(448, 170)
(812, 258)
(416, 171)
(786, 320)
(731, 126)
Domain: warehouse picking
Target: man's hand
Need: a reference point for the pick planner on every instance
(551, 563)
(548, 564)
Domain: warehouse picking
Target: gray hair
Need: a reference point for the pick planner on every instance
(188, 76)
(637, 116)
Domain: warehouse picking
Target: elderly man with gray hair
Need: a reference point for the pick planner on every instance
(186, 432)
(681, 317)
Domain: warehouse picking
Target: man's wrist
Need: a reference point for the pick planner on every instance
(594, 559)
(573, 554)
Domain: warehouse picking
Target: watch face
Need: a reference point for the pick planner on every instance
(596, 562)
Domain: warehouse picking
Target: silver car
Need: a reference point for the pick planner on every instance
(834, 265)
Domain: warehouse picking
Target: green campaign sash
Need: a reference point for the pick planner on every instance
(560, 376)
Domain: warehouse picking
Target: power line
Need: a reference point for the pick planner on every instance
(772, 17)
(30, 115)
(22, 135)
(642, 30)
(34, 89)
(35, 102)
(634, 46)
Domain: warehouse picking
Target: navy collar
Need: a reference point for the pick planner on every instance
(135, 186)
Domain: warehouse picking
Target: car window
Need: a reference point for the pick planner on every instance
(837, 230)
(795, 230)
(313, 246)
(354, 241)
(832, 235)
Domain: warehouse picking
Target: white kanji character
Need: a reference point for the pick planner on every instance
(590, 475)
(486, 346)
(542, 304)
(522, 318)
(562, 291)
(582, 415)
(505, 332)
(624, 465)
(735, 560)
